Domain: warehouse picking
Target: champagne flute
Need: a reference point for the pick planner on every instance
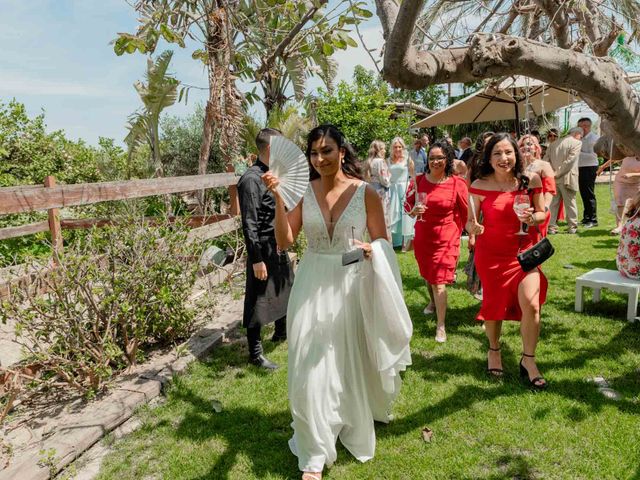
(421, 201)
(520, 205)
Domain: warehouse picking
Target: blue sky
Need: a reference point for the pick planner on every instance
(56, 57)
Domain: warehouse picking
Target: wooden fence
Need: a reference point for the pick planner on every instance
(52, 197)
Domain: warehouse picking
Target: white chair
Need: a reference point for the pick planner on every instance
(600, 278)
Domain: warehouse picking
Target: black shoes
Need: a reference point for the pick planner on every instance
(263, 362)
(495, 372)
(537, 383)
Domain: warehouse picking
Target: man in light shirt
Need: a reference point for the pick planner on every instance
(419, 157)
(587, 168)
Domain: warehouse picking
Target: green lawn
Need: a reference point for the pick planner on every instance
(483, 429)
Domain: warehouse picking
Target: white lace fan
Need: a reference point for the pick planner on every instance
(289, 164)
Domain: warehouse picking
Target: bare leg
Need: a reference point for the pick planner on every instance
(529, 300)
(439, 295)
(493, 330)
(431, 306)
(619, 213)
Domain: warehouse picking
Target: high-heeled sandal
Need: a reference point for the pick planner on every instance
(533, 382)
(495, 372)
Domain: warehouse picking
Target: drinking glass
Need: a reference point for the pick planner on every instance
(520, 205)
(421, 201)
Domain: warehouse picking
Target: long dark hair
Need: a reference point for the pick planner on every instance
(485, 169)
(474, 174)
(349, 165)
(448, 151)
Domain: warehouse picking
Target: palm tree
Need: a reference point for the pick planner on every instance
(159, 92)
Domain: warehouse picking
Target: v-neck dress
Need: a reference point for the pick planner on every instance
(345, 350)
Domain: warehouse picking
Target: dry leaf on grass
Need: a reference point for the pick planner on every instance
(427, 434)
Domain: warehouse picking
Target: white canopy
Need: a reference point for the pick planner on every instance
(515, 98)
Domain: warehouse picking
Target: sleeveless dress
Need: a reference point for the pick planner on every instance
(400, 224)
(437, 238)
(495, 256)
(625, 188)
(348, 331)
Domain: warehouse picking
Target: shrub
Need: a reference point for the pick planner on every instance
(117, 292)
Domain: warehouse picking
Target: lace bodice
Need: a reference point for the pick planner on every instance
(352, 222)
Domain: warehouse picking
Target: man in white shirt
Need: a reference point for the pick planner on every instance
(587, 168)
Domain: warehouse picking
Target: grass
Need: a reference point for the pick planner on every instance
(483, 429)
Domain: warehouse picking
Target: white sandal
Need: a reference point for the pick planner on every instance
(312, 476)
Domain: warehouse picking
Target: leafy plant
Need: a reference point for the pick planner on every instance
(159, 92)
(359, 110)
(118, 292)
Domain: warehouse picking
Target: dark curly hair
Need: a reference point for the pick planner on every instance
(448, 151)
(350, 165)
(485, 169)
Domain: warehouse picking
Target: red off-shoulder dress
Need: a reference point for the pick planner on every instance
(437, 237)
(495, 256)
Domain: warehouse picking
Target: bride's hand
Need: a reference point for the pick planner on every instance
(366, 248)
(272, 183)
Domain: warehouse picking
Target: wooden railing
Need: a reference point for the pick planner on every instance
(52, 197)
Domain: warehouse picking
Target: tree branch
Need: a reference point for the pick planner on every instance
(599, 81)
(270, 60)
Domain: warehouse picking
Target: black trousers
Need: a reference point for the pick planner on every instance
(587, 183)
(254, 337)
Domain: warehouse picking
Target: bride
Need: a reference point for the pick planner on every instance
(348, 327)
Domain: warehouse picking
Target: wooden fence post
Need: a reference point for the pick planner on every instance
(234, 203)
(54, 224)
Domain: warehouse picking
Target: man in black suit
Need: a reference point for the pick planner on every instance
(269, 272)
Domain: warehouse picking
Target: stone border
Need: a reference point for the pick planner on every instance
(76, 432)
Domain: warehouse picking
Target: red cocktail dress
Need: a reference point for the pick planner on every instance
(495, 256)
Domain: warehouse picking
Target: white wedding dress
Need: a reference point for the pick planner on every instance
(348, 331)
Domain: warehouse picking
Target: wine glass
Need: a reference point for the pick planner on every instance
(421, 201)
(520, 205)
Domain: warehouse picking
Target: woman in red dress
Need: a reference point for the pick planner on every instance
(509, 293)
(437, 235)
(531, 154)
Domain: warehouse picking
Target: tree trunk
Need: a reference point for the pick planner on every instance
(600, 82)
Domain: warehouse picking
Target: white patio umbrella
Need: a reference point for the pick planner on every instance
(514, 99)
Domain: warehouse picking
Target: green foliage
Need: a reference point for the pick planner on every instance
(359, 110)
(159, 92)
(180, 141)
(28, 153)
(118, 292)
(259, 28)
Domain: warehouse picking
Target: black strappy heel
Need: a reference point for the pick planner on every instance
(533, 382)
(495, 372)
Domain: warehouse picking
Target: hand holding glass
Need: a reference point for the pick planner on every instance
(520, 205)
(421, 201)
